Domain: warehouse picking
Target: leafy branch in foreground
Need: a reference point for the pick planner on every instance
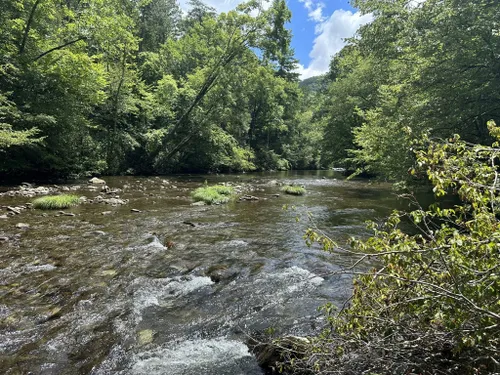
(432, 305)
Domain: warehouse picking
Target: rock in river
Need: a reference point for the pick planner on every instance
(97, 181)
(268, 352)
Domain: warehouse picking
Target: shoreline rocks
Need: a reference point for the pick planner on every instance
(269, 351)
(28, 191)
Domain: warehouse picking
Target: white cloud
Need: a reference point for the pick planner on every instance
(314, 9)
(331, 33)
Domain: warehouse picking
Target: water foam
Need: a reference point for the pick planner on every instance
(211, 356)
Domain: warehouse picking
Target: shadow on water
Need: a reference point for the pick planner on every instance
(101, 293)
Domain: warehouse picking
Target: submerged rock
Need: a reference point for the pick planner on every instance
(249, 198)
(218, 273)
(145, 336)
(95, 233)
(115, 201)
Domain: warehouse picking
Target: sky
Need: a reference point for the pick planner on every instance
(319, 28)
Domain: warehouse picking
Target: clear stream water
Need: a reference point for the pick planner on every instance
(101, 294)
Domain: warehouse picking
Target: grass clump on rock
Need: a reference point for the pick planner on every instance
(56, 202)
(293, 190)
(216, 194)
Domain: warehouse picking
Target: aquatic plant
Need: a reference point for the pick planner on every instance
(293, 190)
(216, 194)
(56, 202)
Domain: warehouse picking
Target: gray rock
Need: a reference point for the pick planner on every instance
(22, 226)
(15, 210)
(200, 203)
(41, 190)
(268, 352)
(114, 201)
(97, 181)
(249, 198)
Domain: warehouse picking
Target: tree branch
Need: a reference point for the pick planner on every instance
(58, 48)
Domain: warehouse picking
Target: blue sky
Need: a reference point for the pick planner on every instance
(319, 28)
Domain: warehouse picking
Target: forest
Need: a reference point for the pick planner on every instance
(138, 87)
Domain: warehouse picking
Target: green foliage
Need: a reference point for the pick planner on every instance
(217, 194)
(113, 86)
(313, 84)
(416, 69)
(293, 190)
(56, 202)
(432, 299)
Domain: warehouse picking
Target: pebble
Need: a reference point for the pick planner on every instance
(22, 226)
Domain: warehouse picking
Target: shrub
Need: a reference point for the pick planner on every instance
(56, 202)
(217, 194)
(432, 304)
(293, 190)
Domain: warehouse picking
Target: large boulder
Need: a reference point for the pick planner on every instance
(97, 181)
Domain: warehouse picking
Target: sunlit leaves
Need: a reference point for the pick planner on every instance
(435, 282)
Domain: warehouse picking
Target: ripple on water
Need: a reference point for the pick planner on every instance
(290, 280)
(217, 356)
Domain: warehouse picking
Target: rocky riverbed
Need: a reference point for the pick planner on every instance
(136, 279)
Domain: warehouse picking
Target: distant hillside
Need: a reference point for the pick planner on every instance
(313, 84)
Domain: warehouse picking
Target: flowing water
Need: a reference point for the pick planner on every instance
(173, 289)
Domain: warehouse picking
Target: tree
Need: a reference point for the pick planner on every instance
(431, 67)
(277, 40)
(159, 21)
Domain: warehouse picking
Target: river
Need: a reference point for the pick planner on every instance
(100, 293)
